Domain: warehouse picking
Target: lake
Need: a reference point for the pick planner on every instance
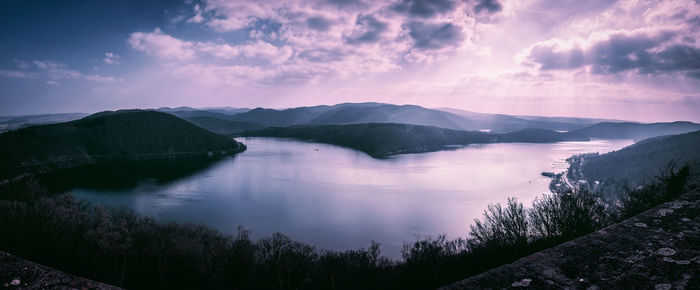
(337, 198)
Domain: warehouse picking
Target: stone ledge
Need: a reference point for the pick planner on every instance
(17, 273)
(658, 249)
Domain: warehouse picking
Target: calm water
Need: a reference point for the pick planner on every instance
(337, 198)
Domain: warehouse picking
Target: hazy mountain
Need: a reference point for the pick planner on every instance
(357, 113)
(120, 135)
(176, 109)
(226, 110)
(281, 118)
(507, 123)
(384, 139)
(386, 113)
(219, 110)
(225, 127)
(573, 120)
(186, 113)
(16, 122)
(635, 131)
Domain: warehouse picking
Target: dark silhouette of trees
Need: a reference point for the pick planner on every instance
(502, 227)
(567, 214)
(669, 184)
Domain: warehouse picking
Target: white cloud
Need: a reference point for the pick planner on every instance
(22, 64)
(111, 58)
(56, 71)
(257, 49)
(18, 74)
(220, 75)
(197, 18)
(336, 38)
(168, 47)
(53, 72)
(162, 45)
(102, 79)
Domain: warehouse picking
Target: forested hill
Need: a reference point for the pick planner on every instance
(639, 162)
(120, 135)
(384, 139)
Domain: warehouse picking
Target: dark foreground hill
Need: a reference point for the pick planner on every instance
(384, 139)
(17, 273)
(107, 136)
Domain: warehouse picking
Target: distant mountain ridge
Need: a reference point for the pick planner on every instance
(502, 122)
(222, 126)
(636, 131)
(453, 119)
(233, 121)
(104, 136)
(16, 122)
(359, 113)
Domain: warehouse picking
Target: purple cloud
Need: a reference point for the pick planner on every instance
(435, 35)
(319, 23)
(369, 30)
(424, 8)
(490, 6)
(652, 52)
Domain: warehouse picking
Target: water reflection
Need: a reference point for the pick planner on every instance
(126, 175)
(338, 198)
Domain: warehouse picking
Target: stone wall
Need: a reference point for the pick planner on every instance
(658, 249)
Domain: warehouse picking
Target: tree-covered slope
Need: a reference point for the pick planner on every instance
(635, 131)
(387, 113)
(283, 118)
(119, 135)
(641, 161)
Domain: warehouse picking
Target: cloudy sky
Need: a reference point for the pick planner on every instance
(635, 59)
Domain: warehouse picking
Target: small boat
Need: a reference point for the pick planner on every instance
(548, 174)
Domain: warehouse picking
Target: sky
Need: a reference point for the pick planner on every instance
(629, 59)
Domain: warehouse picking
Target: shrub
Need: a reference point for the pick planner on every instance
(669, 184)
(353, 269)
(567, 214)
(430, 250)
(284, 263)
(501, 227)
